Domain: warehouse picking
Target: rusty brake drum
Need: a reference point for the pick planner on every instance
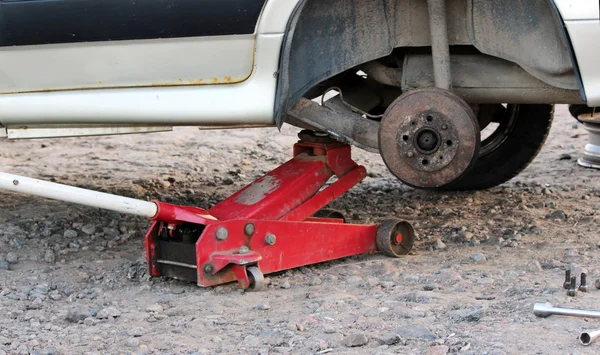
(429, 137)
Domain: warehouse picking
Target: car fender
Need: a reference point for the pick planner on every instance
(581, 20)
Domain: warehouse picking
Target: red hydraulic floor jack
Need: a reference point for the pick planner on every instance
(275, 223)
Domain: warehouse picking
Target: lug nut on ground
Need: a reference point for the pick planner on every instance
(567, 282)
(583, 286)
(572, 291)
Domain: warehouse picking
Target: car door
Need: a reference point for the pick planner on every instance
(50, 45)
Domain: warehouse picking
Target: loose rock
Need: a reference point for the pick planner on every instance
(415, 332)
(12, 257)
(137, 332)
(315, 281)
(110, 232)
(49, 256)
(354, 340)
(262, 307)
(449, 276)
(389, 339)
(466, 315)
(558, 214)
(439, 244)
(89, 321)
(372, 281)
(49, 351)
(416, 297)
(467, 236)
(353, 280)
(132, 342)
(329, 329)
(154, 308)
(479, 258)
(70, 234)
(438, 350)
(108, 312)
(533, 266)
(551, 264)
(55, 295)
(565, 157)
(89, 229)
(76, 313)
(408, 313)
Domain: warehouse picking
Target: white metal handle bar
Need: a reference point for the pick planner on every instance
(77, 195)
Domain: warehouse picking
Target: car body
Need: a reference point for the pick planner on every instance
(73, 67)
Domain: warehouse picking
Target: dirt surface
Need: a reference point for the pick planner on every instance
(76, 280)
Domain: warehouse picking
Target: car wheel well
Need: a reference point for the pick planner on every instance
(327, 38)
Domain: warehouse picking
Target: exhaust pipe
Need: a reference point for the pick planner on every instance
(587, 338)
(541, 309)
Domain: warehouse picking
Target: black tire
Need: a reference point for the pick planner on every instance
(522, 132)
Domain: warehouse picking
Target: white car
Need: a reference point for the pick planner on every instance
(417, 80)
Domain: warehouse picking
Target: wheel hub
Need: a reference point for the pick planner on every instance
(427, 141)
(429, 138)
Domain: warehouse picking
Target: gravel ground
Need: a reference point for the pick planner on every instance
(73, 279)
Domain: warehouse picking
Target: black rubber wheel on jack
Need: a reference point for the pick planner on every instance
(327, 213)
(395, 238)
(256, 277)
(521, 133)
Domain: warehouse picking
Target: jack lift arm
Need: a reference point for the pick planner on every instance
(268, 226)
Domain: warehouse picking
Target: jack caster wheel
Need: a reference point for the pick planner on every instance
(327, 213)
(395, 238)
(256, 277)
